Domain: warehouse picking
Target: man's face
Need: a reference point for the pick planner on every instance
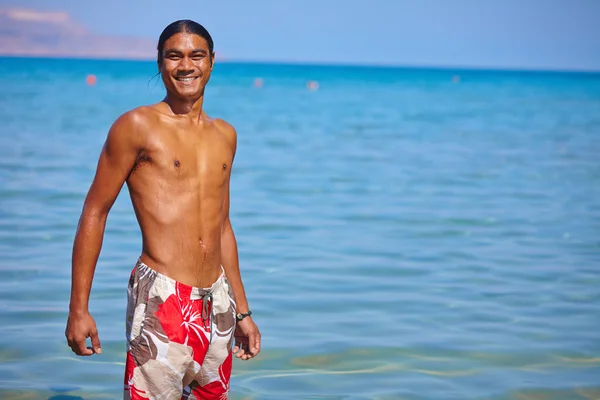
(186, 65)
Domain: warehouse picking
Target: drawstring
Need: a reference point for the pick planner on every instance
(205, 315)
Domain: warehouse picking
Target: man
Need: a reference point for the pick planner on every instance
(185, 294)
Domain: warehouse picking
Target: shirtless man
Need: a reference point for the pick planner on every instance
(186, 300)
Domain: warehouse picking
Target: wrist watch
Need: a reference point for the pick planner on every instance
(241, 316)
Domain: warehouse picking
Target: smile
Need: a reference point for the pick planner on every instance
(186, 79)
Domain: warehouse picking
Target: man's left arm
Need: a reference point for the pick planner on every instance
(230, 262)
(247, 335)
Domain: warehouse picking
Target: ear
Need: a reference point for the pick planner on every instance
(212, 60)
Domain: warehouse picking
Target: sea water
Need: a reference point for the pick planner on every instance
(403, 233)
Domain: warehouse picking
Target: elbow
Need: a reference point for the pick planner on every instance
(93, 214)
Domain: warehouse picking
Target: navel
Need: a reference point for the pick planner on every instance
(224, 167)
(176, 163)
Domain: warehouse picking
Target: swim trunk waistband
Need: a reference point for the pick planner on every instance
(164, 282)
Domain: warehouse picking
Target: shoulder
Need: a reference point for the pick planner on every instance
(224, 126)
(137, 118)
(132, 126)
(227, 129)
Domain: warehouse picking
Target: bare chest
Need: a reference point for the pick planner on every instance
(193, 158)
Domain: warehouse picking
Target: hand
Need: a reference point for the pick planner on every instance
(79, 328)
(247, 339)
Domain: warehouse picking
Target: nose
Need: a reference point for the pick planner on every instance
(186, 64)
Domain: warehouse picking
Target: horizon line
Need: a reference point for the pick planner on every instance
(322, 64)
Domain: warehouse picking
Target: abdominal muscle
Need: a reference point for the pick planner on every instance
(182, 237)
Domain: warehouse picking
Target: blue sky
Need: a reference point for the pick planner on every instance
(532, 34)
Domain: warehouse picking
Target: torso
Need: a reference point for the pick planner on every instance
(178, 189)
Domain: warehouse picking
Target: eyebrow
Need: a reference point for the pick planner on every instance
(195, 51)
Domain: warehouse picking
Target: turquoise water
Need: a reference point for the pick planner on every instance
(401, 235)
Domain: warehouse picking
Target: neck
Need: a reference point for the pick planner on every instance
(189, 108)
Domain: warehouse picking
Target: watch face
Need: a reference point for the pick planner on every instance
(241, 316)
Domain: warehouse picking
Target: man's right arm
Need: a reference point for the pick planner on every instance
(116, 161)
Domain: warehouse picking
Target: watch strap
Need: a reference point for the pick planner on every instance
(241, 316)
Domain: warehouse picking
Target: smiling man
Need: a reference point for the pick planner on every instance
(186, 300)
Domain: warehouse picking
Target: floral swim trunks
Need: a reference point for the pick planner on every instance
(179, 338)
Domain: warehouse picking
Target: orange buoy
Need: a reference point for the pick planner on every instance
(90, 80)
(312, 85)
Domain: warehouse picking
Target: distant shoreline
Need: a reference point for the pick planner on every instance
(450, 68)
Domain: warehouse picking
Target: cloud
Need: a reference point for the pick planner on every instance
(19, 14)
(30, 32)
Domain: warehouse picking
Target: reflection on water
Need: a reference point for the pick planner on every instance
(385, 371)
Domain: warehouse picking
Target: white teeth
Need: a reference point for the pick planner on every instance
(185, 79)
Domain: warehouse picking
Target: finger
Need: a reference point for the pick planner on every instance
(80, 348)
(255, 343)
(237, 347)
(240, 352)
(241, 341)
(77, 348)
(96, 342)
(73, 347)
(245, 354)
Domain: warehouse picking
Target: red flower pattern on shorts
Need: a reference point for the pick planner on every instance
(216, 389)
(182, 322)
